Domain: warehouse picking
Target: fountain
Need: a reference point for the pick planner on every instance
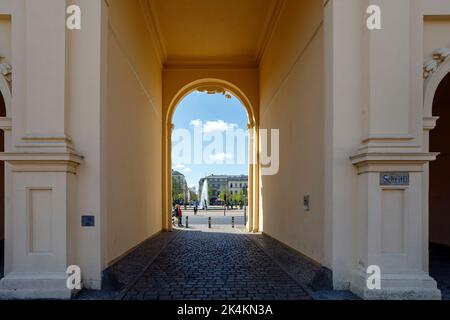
(204, 198)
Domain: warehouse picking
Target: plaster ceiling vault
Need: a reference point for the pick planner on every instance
(212, 31)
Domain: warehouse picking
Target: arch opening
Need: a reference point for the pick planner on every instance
(211, 86)
(439, 189)
(221, 196)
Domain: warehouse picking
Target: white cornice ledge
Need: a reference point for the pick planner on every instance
(363, 159)
(429, 123)
(42, 162)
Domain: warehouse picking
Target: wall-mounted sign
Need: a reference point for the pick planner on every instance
(394, 178)
(88, 221)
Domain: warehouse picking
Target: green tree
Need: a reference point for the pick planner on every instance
(177, 190)
(193, 195)
(237, 197)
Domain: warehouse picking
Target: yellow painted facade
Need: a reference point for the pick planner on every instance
(88, 121)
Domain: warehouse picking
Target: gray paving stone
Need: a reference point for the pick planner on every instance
(196, 265)
(218, 266)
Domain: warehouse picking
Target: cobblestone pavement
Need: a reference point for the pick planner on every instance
(214, 266)
(227, 264)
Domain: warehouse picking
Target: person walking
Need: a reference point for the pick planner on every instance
(179, 216)
(174, 215)
(195, 209)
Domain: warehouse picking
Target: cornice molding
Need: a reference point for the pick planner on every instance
(211, 63)
(392, 158)
(42, 162)
(154, 28)
(269, 28)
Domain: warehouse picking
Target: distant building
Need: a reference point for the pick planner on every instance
(228, 183)
(180, 186)
(237, 185)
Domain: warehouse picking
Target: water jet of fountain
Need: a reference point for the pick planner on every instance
(204, 198)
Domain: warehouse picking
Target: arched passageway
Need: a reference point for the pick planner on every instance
(210, 158)
(213, 86)
(439, 201)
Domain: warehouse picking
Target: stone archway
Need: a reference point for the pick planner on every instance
(437, 75)
(436, 131)
(212, 86)
(440, 169)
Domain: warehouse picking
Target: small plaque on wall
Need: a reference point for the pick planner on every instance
(394, 178)
(88, 221)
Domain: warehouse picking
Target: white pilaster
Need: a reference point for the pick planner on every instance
(389, 227)
(41, 163)
(390, 215)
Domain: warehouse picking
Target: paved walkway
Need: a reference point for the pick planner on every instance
(221, 263)
(215, 265)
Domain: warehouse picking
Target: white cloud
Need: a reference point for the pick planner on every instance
(218, 126)
(178, 166)
(213, 126)
(196, 123)
(221, 156)
(186, 170)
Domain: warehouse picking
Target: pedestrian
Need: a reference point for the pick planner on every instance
(174, 214)
(179, 216)
(195, 209)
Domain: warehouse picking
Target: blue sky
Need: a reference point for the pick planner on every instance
(213, 114)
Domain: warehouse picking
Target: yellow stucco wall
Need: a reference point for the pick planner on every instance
(291, 87)
(132, 131)
(5, 37)
(435, 31)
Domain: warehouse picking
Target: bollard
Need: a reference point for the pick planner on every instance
(245, 215)
(209, 222)
(187, 222)
(232, 222)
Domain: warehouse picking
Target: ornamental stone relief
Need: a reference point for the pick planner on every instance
(6, 72)
(439, 56)
(215, 90)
